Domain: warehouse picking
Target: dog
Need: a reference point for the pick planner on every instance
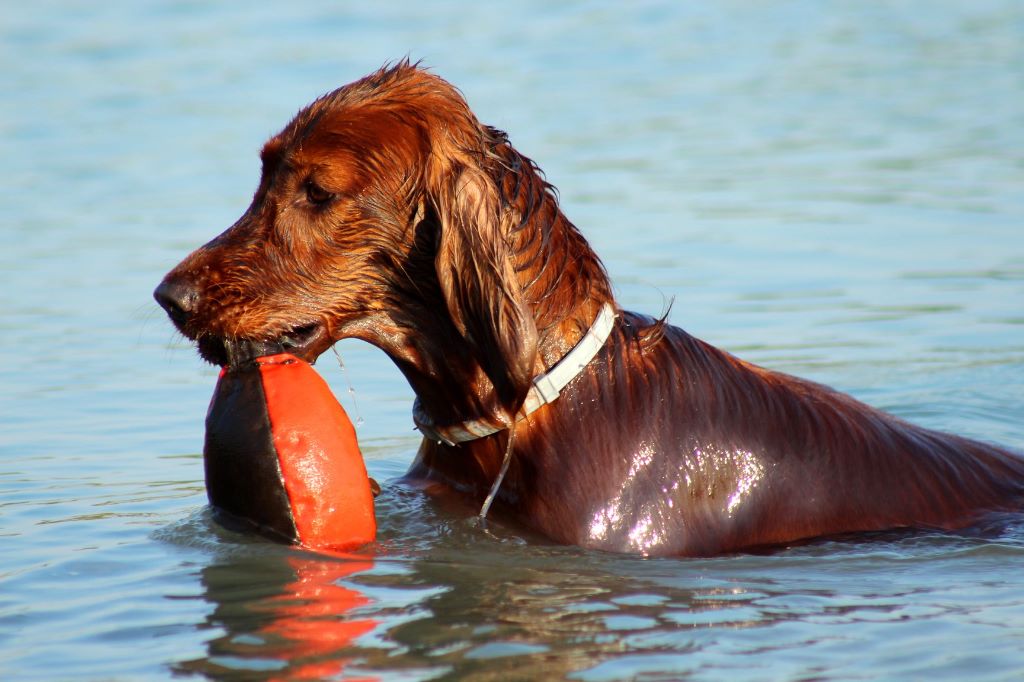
(386, 212)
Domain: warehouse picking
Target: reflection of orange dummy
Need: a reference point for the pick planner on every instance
(310, 612)
(281, 454)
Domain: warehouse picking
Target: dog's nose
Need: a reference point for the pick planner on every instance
(178, 297)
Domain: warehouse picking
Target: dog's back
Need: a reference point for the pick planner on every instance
(667, 445)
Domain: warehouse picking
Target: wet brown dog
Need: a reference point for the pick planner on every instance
(387, 212)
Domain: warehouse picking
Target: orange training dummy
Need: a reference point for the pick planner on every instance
(281, 454)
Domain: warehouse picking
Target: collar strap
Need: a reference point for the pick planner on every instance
(544, 390)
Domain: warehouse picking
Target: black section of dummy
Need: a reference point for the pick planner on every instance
(243, 476)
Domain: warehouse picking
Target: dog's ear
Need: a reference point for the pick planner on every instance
(477, 275)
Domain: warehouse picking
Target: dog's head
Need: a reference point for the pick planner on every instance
(379, 215)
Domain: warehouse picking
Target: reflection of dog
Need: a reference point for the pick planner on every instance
(386, 212)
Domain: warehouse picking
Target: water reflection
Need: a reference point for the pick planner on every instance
(309, 617)
(472, 603)
(283, 616)
(550, 612)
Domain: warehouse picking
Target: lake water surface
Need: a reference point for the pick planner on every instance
(834, 190)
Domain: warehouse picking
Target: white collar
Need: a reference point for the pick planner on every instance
(544, 390)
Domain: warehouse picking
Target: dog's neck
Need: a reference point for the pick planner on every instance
(562, 278)
(546, 388)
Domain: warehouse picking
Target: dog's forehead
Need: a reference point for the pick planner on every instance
(333, 128)
(295, 133)
(272, 152)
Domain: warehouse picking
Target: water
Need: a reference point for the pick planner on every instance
(829, 189)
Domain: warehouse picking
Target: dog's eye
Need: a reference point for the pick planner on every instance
(317, 195)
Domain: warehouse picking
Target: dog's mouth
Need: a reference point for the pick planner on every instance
(306, 341)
